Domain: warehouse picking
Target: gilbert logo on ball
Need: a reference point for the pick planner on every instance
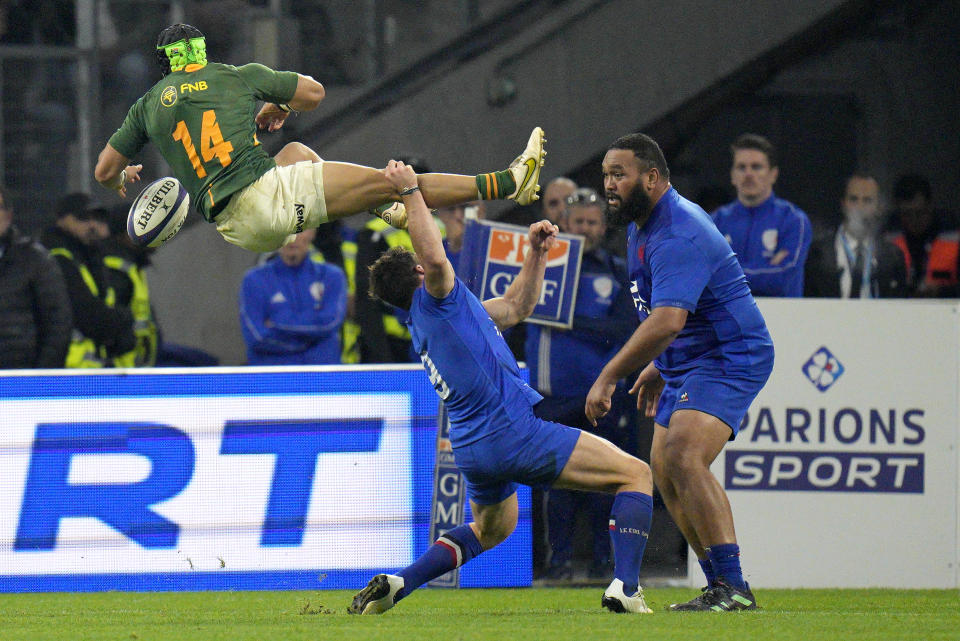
(158, 212)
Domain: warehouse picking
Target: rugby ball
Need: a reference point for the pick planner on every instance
(158, 212)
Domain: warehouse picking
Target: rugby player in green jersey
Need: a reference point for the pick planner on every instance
(201, 117)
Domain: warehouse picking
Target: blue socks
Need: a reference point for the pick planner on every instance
(707, 566)
(629, 529)
(450, 551)
(726, 563)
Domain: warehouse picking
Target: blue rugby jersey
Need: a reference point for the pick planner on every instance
(757, 234)
(469, 364)
(679, 259)
(292, 315)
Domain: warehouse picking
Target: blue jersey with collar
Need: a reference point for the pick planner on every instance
(292, 315)
(469, 364)
(679, 259)
(565, 363)
(757, 234)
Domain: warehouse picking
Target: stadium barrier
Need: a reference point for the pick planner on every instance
(224, 478)
(845, 471)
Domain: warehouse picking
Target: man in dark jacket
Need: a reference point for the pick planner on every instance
(101, 330)
(853, 260)
(34, 308)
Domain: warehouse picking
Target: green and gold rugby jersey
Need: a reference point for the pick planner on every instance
(201, 118)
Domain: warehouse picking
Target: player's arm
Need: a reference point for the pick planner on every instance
(438, 275)
(521, 297)
(308, 95)
(113, 170)
(649, 340)
(680, 270)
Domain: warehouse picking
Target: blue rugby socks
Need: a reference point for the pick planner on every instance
(450, 551)
(707, 566)
(629, 529)
(726, 563)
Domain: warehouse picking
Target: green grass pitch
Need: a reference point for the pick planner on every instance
(491, 615)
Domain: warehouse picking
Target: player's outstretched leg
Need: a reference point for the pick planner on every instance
(519, 182)
(599, 466)
(492, 525)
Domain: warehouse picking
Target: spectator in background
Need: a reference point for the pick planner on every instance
(770, 236)
(555, 196)
(383, 336)
(101, 329)
(930, 249)
(35, 315)
(454, 221)
(292, 307)
(854, 261)
(563, 366)
(125, 264)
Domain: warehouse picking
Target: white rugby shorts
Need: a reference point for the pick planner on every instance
(266, 214)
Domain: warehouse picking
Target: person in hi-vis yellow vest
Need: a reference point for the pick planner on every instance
(101, 330)
(125, 273)
(336, 243)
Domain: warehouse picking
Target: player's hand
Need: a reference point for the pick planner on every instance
(648, 387)
(400, 175)
(543, 236)
(131, 174)
(271, 117)
(598, 400)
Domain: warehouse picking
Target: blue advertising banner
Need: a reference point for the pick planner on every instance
(224, 479)
(493, 254)
(449, 494)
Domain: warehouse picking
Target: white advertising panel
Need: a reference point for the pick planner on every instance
(844, 473)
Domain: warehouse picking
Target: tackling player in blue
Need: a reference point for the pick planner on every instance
(497, 440)
(705, 350)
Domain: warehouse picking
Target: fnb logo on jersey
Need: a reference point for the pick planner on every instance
(501, 250)
(168, 97)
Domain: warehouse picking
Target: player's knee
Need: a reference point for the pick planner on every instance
(294, 152)
(493, 534)
(659, 469)
(641, 474)
(677, 461)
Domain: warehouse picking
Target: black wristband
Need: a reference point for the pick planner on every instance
(409, 190)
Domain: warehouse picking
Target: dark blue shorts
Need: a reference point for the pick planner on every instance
(724, 396)
(532, 452)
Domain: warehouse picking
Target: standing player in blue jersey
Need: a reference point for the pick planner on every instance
(705, 348)
(497, 440)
